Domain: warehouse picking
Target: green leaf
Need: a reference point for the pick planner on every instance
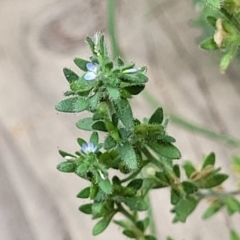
(91, 44)
(82, 169)
(211, 181)
(109, 143)
(189, 168)
(94, 101)
(234, 235)
(82, 86)
(185, 207)
(122, 223)
(70, 75)
(157, 117)
(176, 170)
(85, 124)
(84, 193)
(68, 93)
(150, 237)
(113, 131)
(99, 126)
(80, 105)
(236, 160)
(175, 196)
(120, 61)
(212, 209)
(227, 26)
(86, 208)
(94, 138)
(66, 167)
(227, 58)
(127, 66)
(163, 179)
(125, 113)
(97, 116)
(124, 134)
(113, 93)
(209, 160)
(81, 63)
(65, 154)
(143, 224)
(128, 155)
(232, 204)
(97, 208)
(81, 141)
(136, 183)
(129, 233)
(105, 186)
(93, 191)
(189, 187)
(137, 78)
(102, 47)
(101, 225)
(209, 44)
(67, 105)
(136, 203)
(169, 238)
(212, 21)
(166, 150)
(135, 89)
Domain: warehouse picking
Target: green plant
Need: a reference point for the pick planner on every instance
(141, 153)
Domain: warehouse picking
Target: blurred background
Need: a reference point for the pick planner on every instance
(40, 38)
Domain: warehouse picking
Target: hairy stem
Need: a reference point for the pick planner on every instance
(220, 195)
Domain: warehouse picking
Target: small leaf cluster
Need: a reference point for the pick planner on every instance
(224, 18)
(186, 195)
(220, 200)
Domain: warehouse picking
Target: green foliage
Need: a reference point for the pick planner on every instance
(234, 235)
(128, 155)
(131, 147)
(184, 208)
(223, 16)
(66, 167)
(84, 193)
(212, 209)
(101, 225)
(209, 44)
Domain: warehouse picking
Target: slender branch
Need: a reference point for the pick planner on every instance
(212, 193)
(111, 13)
(137, 231)
(151, 216)
(134, 174)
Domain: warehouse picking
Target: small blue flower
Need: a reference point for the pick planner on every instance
(89, 148)
(92, 71)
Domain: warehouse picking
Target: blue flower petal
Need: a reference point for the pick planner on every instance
(89, 76)
(84, 148)
(92, 67)
(89, 148)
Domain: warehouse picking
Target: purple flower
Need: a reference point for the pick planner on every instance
(89, 148)
(92, 71)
